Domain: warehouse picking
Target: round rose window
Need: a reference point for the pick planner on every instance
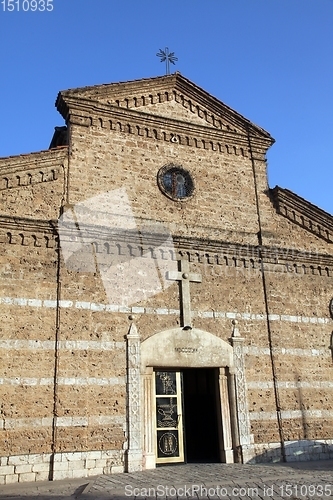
(175, 182)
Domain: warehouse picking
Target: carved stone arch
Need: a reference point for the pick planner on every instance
(209, 351)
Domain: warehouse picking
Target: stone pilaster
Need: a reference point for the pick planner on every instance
(134, 450)
(233, 416)
(226, 452)
(148, 430)
(243, 417)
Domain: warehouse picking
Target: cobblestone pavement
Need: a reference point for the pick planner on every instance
(302, 480)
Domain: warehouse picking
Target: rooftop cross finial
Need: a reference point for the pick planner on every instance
(168, 57)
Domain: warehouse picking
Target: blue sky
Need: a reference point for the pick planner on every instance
(270, 60)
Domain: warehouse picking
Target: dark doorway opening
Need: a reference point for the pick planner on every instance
(200, 415)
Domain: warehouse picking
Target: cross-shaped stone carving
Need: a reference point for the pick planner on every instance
(184, 277)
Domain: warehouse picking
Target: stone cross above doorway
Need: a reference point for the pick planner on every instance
(184, 277)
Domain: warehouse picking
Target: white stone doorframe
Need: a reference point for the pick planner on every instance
(177, 349)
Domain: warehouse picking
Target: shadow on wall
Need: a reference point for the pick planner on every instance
(303, 450)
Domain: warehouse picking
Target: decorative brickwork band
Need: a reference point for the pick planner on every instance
(241, 394)
(134, 450)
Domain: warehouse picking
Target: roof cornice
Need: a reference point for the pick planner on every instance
(151, 90)
(86, 112)
(203, 97)
(37, 157)
(25, 170)
(25, 231)
(303, 213)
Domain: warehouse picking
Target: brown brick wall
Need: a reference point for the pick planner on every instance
(221, 215)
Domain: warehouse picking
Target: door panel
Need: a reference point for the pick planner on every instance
(185, 414)
(169, 441)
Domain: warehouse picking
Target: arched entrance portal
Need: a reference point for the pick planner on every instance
(187, 387)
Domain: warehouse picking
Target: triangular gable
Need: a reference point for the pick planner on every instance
(171, 96)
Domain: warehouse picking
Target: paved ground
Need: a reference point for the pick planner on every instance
(302, 480)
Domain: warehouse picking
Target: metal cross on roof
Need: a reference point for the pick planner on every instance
(168, 57)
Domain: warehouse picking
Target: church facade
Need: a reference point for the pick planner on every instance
(159, 302)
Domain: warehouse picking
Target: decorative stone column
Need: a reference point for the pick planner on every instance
(226, 451)
(233, 416)
(244, 427)
(134, 450)
(148, 424)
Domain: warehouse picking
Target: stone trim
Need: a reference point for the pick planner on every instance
(212, 119)
(29, 177)
(226, 440)
(66, 465)
(259, 351)
(33, 168)
(303, 213)
(28, 232)
(291, 414)
(161, 129)
(115, 308)
(149, 459)
(21, 162)
(72, 381)
(244, 428)
(79, 381)
(77, 345)
(77, 421)
(244, 258)
(101, 420)
(317, 384)
(134, 445)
